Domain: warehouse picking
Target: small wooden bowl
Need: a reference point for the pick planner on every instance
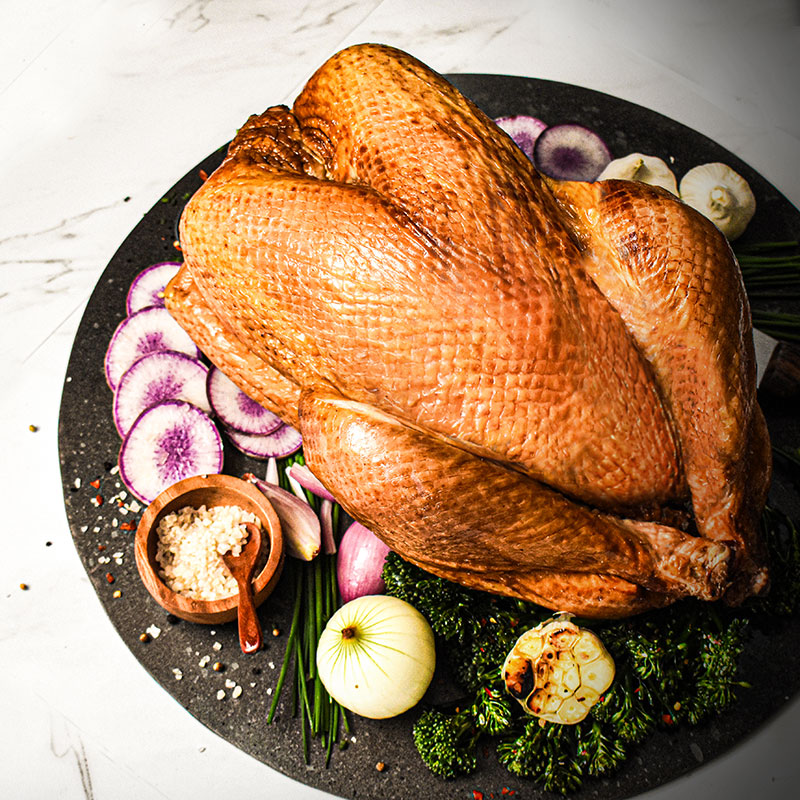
(208, 490)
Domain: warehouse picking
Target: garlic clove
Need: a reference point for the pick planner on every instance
(643, 168)
(721, 194)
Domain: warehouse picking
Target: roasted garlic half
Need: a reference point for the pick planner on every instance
(558, 671)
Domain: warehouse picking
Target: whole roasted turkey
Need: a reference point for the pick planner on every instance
(544, 390)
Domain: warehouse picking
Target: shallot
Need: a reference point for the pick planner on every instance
(359, 563)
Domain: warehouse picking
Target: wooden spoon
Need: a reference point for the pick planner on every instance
(241, 568)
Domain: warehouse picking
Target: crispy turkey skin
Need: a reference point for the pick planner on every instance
(517, 384)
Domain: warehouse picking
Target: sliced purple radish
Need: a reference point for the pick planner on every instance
(523, 129)
(235, 409)
(154, 378)
(144, 332)
(571, 152)
(148, 286)
(278, 444)
(167, 443)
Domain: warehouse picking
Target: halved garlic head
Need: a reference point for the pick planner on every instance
(558, 671)
(642, 168)
(721, 194)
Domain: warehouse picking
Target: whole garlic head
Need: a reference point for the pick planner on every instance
(721, 194)
(643, 168)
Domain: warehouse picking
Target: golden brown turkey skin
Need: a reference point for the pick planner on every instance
(384, 243)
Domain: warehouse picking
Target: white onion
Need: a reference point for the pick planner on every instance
(376, 656)
(360, 563)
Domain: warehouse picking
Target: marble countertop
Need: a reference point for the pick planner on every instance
(103, 105)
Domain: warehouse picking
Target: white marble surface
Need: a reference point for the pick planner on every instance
(103, 105)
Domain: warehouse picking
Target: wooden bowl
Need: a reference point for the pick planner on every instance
(208, 490)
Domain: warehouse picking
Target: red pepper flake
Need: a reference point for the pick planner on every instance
(126, 526)
(477, 795)
(666, 719)
(637, 690)
(95, 483)
(98, 500)
(101, 547)
(176, 244)
(203, 175)
(109, 577)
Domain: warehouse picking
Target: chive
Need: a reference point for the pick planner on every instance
(302, 681)
(288, 654)
(334, 729)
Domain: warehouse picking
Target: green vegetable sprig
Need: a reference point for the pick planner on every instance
(675, 666)
(316, 599)
(772, 270)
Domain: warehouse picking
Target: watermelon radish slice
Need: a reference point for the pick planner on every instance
(144, 332)
(280, 443)
(523, 129)
(148, 286)
(168, 442)
(154, 378)
(570, 152)
(235, 410)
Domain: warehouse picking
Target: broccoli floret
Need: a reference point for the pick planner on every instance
(492, 709)
(447, 606)
(545, 753)
(599, 752)
(447, 743)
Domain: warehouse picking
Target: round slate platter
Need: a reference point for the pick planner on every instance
(89, 447)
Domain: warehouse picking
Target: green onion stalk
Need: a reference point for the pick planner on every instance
(316, 598)
(771, 271)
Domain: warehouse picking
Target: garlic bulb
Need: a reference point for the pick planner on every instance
(639, 167)
(721, 194)
(558, 671)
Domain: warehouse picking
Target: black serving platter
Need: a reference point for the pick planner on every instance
(181, 656)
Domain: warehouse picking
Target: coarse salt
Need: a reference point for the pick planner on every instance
(189, 548)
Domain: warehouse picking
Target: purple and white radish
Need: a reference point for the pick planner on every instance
(235, 410)
(167, 443)
(523, 129)
(359, 563)
(280, 443)
(570, 152)
(148, 286)
(154, 378)
(144, 332)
